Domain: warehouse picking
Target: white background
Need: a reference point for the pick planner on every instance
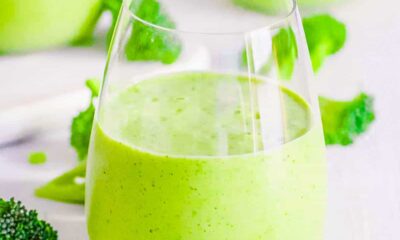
(364, 191)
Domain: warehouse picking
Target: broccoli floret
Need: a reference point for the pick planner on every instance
(37, 158)
(69, 187)
(18, 223)
(284, 54)
(149, 44)
(80, 131)
(325, 36)
(145, 42)
(284, 48)
(344, 120)
(265, 68)
(82, 124)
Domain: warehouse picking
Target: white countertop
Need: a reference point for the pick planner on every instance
(364, 179)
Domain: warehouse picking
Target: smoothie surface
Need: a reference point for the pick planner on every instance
(205, 114)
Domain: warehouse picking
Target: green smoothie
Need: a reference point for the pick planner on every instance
(189, 156)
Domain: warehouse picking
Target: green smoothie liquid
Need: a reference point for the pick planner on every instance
(186, 156)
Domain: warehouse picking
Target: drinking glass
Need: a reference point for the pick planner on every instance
(207, 126)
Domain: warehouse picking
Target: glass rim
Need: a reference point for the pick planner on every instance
(273, 25)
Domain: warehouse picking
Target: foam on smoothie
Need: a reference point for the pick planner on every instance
(203, 114)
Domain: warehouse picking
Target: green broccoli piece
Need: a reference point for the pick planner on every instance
(18, 223)
(284, 48)
(344, 120)
(284, 54)
(69, 187)
(114, 7)
(81, 127)
(80, 131)
(37, 158)
(149, 44)
(325, 36)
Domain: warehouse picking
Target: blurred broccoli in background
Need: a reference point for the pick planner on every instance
(344, 120)
(69, 187)
(325, 36)
(113, 6)
(18, 223)
(147, 43)
(81, 127)
(284, 48)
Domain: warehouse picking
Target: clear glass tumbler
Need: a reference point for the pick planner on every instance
(207, 127)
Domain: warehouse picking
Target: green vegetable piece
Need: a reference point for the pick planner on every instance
(94, 86)
(284, 54)
(18, 223)
(81, 130)
(325, 36)
(149, 44)
(284, 49)
(81, 127)
(345, 120)
(37, 158)
(114, 7)
(69, 187)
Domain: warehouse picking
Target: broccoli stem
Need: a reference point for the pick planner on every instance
(69, 187)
